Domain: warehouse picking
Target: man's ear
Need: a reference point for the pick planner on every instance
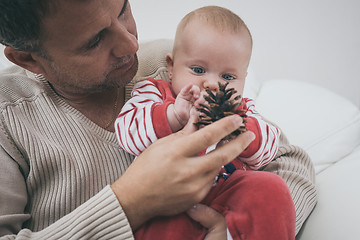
(23, 59)
(170, 64)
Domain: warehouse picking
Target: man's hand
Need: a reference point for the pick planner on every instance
(210, 219)
(169, 177)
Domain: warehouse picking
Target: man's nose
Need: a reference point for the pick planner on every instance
(125, 42)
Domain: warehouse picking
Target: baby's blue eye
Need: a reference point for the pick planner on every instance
(198, 70)
(227, 77)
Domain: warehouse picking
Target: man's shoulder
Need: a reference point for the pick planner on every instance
(16, 83)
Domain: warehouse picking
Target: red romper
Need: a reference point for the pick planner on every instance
(256, 204)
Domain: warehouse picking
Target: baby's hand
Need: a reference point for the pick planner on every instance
(184, 102)
(179, 113)
(189, 93)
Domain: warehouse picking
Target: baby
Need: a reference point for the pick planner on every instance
(212, 45)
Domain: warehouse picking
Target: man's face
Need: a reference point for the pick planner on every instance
(91, 44)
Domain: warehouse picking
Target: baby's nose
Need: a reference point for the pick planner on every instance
(211, 84)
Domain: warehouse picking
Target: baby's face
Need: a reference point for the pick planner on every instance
(205, 56)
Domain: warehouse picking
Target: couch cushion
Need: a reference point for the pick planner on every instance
(325, 124)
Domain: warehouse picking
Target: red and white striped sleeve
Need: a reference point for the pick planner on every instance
(134, 126)
(263, 149)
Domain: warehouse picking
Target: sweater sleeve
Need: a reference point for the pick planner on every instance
(263, 149)
(295, 167)
(100, 216)
(143, 118)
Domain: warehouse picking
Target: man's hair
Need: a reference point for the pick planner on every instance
(219, 17)
(20, 23)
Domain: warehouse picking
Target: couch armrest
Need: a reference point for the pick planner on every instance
(337, 212)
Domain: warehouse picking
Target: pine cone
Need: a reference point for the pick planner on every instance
(220, 105)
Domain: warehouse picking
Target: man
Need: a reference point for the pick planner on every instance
(58, 151)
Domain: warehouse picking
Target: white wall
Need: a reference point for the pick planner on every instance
(316, 41)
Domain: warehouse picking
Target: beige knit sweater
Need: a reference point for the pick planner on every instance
(56, 165)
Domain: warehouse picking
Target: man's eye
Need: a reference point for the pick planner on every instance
(124, 8)
(227, 77)
(94, 45)
(198, 70)
(95, 42)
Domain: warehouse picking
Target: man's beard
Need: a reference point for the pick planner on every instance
(68, 83)
(125, 78)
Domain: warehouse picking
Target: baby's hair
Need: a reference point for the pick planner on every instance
(219, 17)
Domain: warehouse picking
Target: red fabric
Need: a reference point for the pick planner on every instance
(158, 114)
(159, 120)
(252, 125)
(257, 205)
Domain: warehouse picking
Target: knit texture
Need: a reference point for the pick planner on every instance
(56, 166)
(293, 165)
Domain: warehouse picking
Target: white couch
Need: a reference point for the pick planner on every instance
(327, 126)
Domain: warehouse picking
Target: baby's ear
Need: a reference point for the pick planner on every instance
(170, 64)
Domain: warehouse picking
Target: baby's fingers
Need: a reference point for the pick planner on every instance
(186, 92)
(195, 91)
